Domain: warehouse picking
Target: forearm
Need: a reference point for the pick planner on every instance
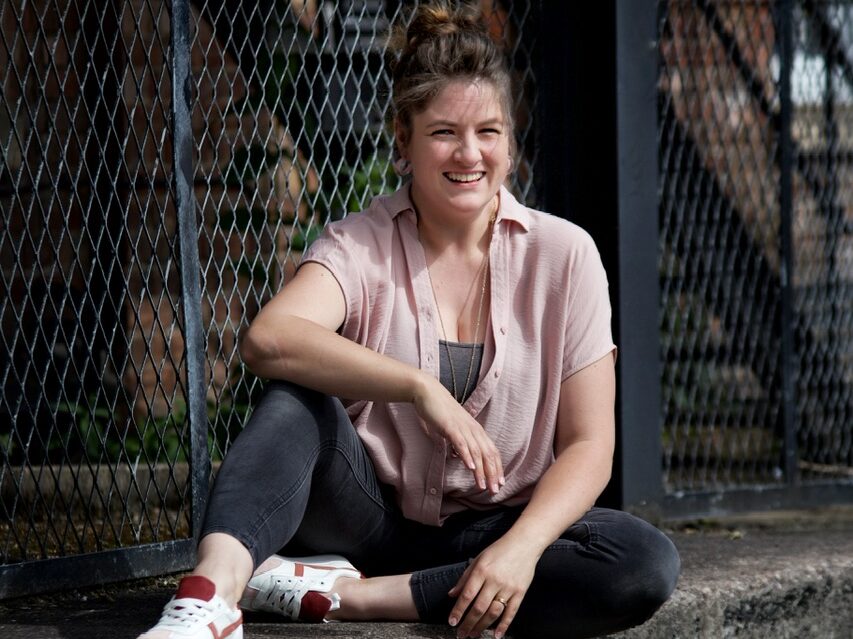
(311, 355)
(567, 490)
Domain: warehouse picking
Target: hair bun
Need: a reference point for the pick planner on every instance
(436, 20)
(440, 19)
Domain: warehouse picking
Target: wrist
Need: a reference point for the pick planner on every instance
(418, 386)
(533, 536)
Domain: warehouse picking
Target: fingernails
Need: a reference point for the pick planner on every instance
(495, 488)
(502, 480)
(453, 621)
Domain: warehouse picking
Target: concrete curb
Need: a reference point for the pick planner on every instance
(789, 578)
(779, 585)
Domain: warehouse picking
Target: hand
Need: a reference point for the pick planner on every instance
(443, 416)
(501, 573)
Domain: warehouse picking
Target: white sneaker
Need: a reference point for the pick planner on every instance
(292, 587)
(197, 612)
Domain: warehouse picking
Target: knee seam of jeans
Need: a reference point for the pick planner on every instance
(359, 480)
(283, 498)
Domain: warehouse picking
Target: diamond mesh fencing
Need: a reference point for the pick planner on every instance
(756, 251)
(93, 429)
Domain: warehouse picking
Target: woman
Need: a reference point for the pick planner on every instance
(471, 339)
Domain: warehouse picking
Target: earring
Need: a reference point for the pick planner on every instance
(509, 168)
(402, 166)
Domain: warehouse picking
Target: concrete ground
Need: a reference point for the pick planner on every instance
(776, 575)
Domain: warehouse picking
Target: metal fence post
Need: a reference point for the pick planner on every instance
(638, 303)
(786, 266)
(190, 271)
(599, 168)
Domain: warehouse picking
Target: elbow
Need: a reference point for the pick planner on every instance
(248, 349)
(255, 349)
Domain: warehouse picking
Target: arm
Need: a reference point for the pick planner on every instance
(293, 338)
(584, 457)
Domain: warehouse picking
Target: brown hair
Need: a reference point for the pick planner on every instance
(443, 43)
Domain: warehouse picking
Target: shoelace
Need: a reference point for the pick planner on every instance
(284, 596)
(179, 613)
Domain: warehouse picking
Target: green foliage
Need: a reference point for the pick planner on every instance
(95, 436)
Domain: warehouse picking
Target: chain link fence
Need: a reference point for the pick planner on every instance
(93, 435)
(756, 242)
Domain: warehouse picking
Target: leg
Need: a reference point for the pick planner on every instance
(608, 572)
(298, 450)
(388, 598)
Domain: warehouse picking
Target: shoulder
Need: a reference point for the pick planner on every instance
(368, 231)
(544, 232)
(557, 241)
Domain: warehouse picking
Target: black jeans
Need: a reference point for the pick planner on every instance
(298, 480)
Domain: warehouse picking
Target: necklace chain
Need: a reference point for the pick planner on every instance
(484, 268)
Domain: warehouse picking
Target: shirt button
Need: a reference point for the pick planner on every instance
(433, 491)
(497, 373)
(503, 330)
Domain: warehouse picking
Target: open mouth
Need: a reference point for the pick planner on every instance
(465, 178)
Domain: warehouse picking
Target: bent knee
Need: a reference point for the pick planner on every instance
(652, 577)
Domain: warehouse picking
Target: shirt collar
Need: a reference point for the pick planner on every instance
(510, 209)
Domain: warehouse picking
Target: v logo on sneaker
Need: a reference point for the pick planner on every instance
(226, 631)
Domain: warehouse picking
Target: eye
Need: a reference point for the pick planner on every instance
(491, 131)
(442, 132)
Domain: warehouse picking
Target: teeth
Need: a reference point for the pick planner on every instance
(465, 177)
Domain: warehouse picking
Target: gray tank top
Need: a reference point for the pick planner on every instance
(461, 354)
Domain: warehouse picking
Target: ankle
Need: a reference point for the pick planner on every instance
(347, 588)
(228, 585)
(227, 563)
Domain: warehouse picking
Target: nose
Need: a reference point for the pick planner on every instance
(468, 152)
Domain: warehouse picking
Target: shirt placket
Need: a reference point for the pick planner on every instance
(432, 490)
(499, 316)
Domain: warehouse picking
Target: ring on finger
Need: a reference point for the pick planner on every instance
(501, 601)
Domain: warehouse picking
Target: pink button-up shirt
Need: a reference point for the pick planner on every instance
(550, 317)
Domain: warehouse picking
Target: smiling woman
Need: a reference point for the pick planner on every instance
(458, 150)
(441, 410)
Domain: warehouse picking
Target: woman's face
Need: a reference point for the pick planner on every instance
(458, 148)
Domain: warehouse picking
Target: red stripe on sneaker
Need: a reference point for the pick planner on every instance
(314, 607)
(323, 567)
(226, 631)
(196, 587)
(298, 570)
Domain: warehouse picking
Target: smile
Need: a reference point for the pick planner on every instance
(464, 177)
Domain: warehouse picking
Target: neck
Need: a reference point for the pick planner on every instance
(440, 233)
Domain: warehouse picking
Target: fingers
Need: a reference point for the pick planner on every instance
(494, 609)
(482, 613)
(489, 471)
(509, 613)
(472, 444)
(479, 454)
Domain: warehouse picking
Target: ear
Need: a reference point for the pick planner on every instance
(401, 137)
